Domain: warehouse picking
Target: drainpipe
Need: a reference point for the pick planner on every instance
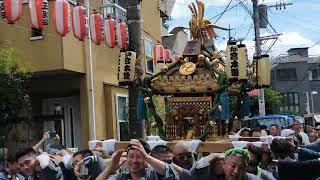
(93, 135)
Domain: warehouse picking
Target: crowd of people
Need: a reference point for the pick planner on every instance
(292, 154)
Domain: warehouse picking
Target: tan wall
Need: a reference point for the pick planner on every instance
(51, 53)
(42, 55)
(74, 57)
(55, 53)
(111, 125)
(151, 19)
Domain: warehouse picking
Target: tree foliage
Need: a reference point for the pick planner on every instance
(14, 98)
(272, 100)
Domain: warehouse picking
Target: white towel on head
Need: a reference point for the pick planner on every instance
(287, 132)
(243, 144)
(153, 138)
(153, 144)
(194, 144)
(92, 144)
(108, 145)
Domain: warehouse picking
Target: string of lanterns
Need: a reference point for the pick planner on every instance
(115, 34)
(164, 55)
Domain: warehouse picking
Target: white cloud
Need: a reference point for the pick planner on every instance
(181, 10)
(293, 40)
(286, 41)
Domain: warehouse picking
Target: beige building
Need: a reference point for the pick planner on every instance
(61, 81)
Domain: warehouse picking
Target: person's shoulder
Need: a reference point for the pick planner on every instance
(249, 176)
(267, 175)
(303, 133)
(119, 176)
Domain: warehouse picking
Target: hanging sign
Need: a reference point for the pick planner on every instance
(127, 65)
(242, 62)
(263, 71)
(232, 56)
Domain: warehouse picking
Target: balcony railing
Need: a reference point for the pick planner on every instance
(114, 10)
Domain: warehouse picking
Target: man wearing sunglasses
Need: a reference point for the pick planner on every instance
(183, 156)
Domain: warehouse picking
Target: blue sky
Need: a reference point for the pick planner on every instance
(299, 23)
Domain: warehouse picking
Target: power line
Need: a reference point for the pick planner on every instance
(226, 10)
(223, 11)
(314, 44)
(265, 18)
(245, 7)
(248, 32)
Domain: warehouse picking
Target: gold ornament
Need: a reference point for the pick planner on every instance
(200, 28)
(215, 63)
(201, 58)
(212, 123)
(187, 68)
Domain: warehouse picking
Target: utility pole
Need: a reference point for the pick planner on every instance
(136, 109)
(258, 40)
(256, 23)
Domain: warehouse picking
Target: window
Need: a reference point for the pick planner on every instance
(148, 47)
(286, 74)
(315, 73)
(122, 117)
(290, 102)
(149, 66)
(36, 34)
(115, 9)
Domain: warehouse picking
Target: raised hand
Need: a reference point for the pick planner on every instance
(137, 145)
(117, 162)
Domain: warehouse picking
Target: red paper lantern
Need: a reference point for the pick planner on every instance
(158, 54)
(167, 55)
(11, 10)
(175, 57)
(96, 27)
(79, 22)
(61, 16)
(39, 13)
(110, 32)
(122, 34)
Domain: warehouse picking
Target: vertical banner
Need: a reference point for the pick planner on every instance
(232, 55)
(127, 65)
(262, 106)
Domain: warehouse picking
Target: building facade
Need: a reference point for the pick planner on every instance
(61, 81)
(297, 78)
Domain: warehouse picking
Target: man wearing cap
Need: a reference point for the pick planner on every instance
(138, 161)
(183, 156)
(232, 167)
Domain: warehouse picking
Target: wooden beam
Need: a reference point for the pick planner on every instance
(211, 147)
